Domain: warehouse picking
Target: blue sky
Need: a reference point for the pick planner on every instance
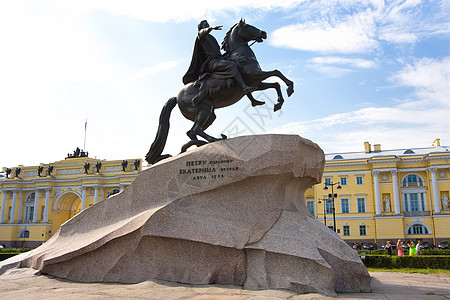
(363, 70)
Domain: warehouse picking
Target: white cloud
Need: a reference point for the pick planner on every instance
(354, 62)
(412, 123)
(431, 78)
(177, 10)
(358, 26)
(160, 67)
(352, 35)
(336, 67)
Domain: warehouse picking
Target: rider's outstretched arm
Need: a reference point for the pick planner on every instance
(205, 31)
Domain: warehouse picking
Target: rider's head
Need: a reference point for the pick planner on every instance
(203, 24)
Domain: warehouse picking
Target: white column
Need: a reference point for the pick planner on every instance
(83, 198)
(377, 193)
(95, 194)
(436, 200)
(2, 217)
(46, 208)
(35, 209)
(19, 215)
(395, 191)
(12, 218)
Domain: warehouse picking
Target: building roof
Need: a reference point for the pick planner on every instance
(387, 153)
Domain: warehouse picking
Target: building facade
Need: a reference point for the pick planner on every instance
(377, 195)
(36, 200)
(382, 195)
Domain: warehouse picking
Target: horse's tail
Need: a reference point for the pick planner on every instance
(157, 147)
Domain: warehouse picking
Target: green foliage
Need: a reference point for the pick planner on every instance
(394, 252)
(418, 261)
(14, 251)
(435, 251)
(4, 256)
(411, 270)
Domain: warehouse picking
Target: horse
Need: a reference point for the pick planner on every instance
(221, 92)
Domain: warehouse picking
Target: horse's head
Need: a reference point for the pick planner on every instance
(250, 33)
(242, 33)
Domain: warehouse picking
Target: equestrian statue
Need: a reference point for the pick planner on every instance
(216, 80)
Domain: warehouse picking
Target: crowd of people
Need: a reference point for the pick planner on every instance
(414, 249)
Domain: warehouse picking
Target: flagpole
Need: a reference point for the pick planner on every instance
(85, 129)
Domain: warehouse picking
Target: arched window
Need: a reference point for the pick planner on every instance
(418, 229)
(24, 234)
(412, 180)
(30, 196)
(112, 192)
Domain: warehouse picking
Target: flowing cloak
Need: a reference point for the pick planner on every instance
(207, 57)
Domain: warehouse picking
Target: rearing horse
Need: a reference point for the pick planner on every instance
(221, 92)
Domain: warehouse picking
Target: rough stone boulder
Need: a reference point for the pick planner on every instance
(230, 212)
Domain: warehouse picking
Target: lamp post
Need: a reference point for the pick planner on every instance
(332, 196)
(324, 210)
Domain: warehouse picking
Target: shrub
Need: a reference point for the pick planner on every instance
(435, 251)
(4, 256)
(419, 261)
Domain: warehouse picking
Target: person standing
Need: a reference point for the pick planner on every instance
(400, 248)
(412, 248)
(418, 252)
(389, 248)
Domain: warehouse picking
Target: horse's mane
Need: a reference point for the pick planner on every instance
(225, 44)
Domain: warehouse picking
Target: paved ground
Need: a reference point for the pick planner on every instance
(24, 284)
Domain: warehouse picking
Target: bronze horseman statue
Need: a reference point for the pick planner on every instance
(215, 81)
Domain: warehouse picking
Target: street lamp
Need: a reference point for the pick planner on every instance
(324, 210)
(332, 196)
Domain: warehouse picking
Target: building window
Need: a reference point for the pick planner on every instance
(412, 180)
(329, 206)
(29, 212)
(345, 206)
(361, 205)
(331, 227)
(24, 234)
(112, 192)
(362, 230)
(414, 202)
(346, 230)
(418, 229)
(327, 181)
(310, 205)
(359, 180)
(30, 197)
(343, 180)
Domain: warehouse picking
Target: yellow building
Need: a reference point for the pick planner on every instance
(382, 195)
(36, 200)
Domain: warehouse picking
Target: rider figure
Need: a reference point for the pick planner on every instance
(207, 58)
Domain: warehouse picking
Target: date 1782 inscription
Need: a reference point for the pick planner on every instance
(205, 169)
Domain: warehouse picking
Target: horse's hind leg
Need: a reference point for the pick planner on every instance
(211, 119)
(202, 121)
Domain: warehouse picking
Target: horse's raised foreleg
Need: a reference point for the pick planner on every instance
(254, 101)
(273, 85)
(263, 75)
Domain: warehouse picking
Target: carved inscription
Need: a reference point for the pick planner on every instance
(208, 169)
